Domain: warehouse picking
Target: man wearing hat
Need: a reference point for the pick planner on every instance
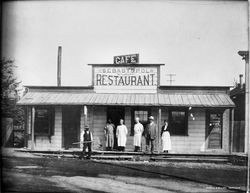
(87, 142)
(150, 134)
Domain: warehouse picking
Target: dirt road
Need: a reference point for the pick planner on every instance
(39, 174)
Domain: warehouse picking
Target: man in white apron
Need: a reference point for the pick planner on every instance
(121, 134)
(138, 130)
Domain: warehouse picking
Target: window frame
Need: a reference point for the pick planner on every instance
(185, 110)
(51, 121)
(133, 109)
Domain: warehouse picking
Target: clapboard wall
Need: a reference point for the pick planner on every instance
(43, 142)
(96, 118)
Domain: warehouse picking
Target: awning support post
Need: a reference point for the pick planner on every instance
(159, 130)
(85, 112)
(82, 125)
(231, 131)
(32, 128)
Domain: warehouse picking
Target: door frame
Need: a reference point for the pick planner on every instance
(214, 111)
(115, 108)
(79, 123)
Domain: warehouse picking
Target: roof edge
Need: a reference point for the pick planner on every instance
(164, 87)
(59, 87)
(131, 65)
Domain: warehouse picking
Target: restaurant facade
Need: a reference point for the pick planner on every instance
(199, 117)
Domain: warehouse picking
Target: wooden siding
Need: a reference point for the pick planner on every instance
(196, 134)
(193, 143)
(43, 142)
(99, 121)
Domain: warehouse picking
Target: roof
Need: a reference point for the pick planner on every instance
(238, 90)
(130, 99)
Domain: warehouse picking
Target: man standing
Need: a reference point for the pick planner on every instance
(138, 130)
(150, 134)
(87, 142)
(109, 135)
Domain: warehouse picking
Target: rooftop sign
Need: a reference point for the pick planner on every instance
(123, 78)
(127, 59)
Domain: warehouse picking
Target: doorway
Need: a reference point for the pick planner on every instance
(70, 127)
(214, 130)
(115, 114)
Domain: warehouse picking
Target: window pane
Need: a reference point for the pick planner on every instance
(42, 121)
(143, 115)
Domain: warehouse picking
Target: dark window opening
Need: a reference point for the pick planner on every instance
(178, 122)
(44, 121)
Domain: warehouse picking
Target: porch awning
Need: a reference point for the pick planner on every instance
(185, 100)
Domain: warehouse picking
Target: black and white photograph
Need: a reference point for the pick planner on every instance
(118, 96)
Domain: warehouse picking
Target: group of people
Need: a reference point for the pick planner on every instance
(121, 131)
(120, 134)
(149, 133)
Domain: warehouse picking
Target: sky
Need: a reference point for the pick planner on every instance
(196, 40)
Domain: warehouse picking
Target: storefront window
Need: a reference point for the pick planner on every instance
(143, 115)
(178, 122)
(44, 121)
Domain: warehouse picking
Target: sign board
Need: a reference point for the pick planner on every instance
(125, 78)
(127, 59)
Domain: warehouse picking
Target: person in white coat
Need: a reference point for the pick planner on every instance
(165, 136)
(138, 130)
(121, 134)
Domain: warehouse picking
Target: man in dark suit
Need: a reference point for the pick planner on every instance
(87, 142)
(150, 134)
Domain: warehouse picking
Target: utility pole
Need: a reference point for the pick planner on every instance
(171, 79)
(245, 56)
(59, 61)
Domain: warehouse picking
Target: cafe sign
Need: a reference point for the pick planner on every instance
(125, 78)
(127, 59)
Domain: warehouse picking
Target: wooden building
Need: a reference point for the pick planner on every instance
(199, 116)
(237, 95)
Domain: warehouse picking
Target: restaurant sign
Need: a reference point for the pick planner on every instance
(127, 59)
(131, 78)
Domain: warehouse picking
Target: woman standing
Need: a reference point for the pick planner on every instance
(121, 134)
(109, 135)
(165, 136)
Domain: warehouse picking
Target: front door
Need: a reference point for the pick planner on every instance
(115, 114)
(214, 130)
(71, 126)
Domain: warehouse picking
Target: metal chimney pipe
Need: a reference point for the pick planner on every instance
(241, 84)
(59, 60)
